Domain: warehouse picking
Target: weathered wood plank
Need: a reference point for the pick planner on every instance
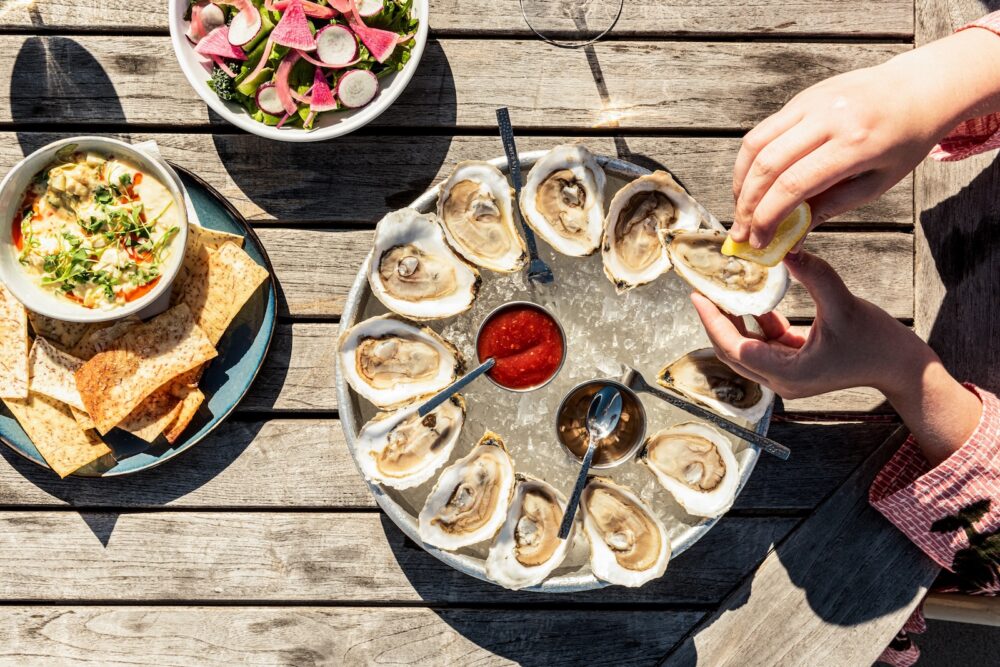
(316, 268)
(363, 178)
(834, 593)
(958, 239)
(637, 85)
(644, 17)
(303, 556)
(348, 636)
(304, 463)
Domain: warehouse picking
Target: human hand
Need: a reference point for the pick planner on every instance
(846, 140)
(851, 342)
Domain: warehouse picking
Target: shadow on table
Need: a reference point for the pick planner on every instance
(357, 178)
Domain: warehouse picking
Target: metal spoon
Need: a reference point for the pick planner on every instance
(602, 418)
(538, 271)
(454, 387)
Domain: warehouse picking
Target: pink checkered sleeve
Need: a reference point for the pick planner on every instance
(914, 496)
(976, 135)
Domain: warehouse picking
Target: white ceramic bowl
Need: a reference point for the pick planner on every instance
(329, 125)
(43, 301)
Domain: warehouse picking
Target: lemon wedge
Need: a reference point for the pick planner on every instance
(790, 231)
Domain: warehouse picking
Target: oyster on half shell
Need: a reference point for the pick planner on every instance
(639, 215)
(628, 543)
(695, 463)
(469, 502)
(390, 361)
(476, 209)
(528, 549)
(563, 200)
(401, 449)
(738, 286)
(702, 377)
(414, 272)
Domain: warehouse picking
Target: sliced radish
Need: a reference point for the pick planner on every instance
(342, 6)
(216, 46)
(336, 44)
(205, 17)
(245, 27)
(293, 28)
(267, 100)
(281, 82)
(368, 8)
(357, 88)
(312, 9)
(380, 43)
(322, 96)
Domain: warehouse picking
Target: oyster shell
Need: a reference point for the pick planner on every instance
(563, 200)
(702, 377)
(469, 502)
(413, 272)
(476, 209)
(402, 450)
(527, 549)
(390, 361)
(628, 543)
(639, 215)
(695, 463)
(738, 286)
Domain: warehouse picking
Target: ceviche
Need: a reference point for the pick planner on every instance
(289, 61)
(94, 229)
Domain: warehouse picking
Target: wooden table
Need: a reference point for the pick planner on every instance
(263, 545)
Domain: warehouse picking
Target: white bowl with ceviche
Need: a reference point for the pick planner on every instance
(91, 229)
(299, 70)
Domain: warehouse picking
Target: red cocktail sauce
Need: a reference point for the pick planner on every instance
(526, 343)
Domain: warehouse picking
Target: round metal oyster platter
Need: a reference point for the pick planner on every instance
(646, 328)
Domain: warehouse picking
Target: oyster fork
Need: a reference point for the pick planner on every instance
(538, 271)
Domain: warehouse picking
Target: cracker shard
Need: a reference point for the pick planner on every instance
(148, 356)
(13, 346)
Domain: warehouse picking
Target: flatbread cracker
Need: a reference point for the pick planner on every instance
(64, 334)
(53, 373)
(13, 346)
(103, 338)
(217, 290)
(200, 241)
(152, 417)
(83, 420)
(55, 433)
(148, 356)
(189, 406)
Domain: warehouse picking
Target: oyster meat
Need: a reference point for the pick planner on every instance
(476, 209)
(702, 377)
(628, 543)
(401, 449)
(527, 549)
(414, 272)
(695, 463)
(390, 361)
(738, 286)
(563, 200)
(638, 217)
(469, 502)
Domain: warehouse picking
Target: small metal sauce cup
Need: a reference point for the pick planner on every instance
(639, 414)
(516, 304)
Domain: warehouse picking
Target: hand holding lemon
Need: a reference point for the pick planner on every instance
(790, 231)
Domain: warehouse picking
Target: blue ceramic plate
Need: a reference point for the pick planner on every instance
(228, 377)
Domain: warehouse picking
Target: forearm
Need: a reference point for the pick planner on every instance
(958, 76)
(940, 413)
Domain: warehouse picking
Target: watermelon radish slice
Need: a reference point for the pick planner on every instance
(283, 90)
(368, 8)
(380, 43)
(216, 46)
(293, 28)
(357, 88)
(322, 96)
(312, 9)
(205, 17)
(267, 100)
(336, 44)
